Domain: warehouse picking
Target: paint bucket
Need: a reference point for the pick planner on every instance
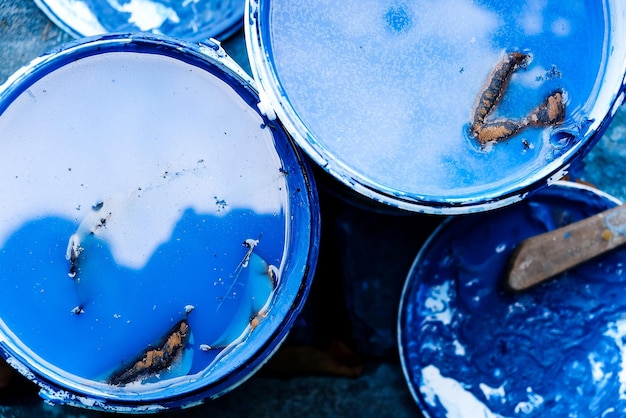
(158, 234)
(195, 20)
(384, 95)
(471, 348)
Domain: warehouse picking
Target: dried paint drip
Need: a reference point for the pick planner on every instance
(262, 280)
(250, 244)
(550, 112)
(155, 360)
(473, 349)
(89, 225)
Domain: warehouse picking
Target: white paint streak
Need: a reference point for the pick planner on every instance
(453, 397)
(145, 14)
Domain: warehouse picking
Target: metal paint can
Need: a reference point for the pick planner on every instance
(159, 234)
(386, 96)
(470, 347)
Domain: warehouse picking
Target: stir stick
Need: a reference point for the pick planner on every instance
(543, 256)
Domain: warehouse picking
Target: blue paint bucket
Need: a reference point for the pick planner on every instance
(471, 348)
(192, 20)
(386, 96)
(158, 235)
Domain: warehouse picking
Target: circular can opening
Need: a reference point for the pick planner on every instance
(158, 235)
(445, 107)
(471, 347)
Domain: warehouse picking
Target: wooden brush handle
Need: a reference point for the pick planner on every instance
(543, 256)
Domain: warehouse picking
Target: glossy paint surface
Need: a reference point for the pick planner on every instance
(381, 93)
(192, 20)
(471, 348)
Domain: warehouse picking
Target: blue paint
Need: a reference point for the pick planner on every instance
(159, 196)
(398, 19)
(553, 350)
(189, 20)
(380, 93)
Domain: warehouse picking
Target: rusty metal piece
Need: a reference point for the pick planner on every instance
(157, 359)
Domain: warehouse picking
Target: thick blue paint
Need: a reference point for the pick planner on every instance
(398, 19)
(542, 339)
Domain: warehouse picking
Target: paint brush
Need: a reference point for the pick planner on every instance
(543, 256)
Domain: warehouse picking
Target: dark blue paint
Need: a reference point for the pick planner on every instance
(541, 338)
